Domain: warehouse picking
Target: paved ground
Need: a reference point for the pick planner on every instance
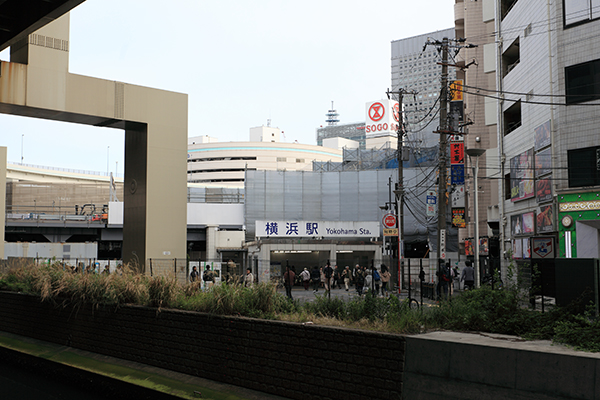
(298, 293)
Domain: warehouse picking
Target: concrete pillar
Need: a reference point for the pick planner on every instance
(37, 83)
(211, 243)
(3, 162)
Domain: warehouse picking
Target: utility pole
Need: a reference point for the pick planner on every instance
(399, 191)
(443, 152)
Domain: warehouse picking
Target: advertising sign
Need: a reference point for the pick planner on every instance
(457, 153)
(544, 219)
(469, 247)
(542, 247)
(431, 202)
(456, 90)
(458, 196)
(517, 248)
(543, 190)
(457, 174)
(521, 176)
(458, 217)
(526, 248)
(543, 162)
(542, 135)
(484, 246)
(516, 225)
(382, 116)
(295, 229)
(528, 222)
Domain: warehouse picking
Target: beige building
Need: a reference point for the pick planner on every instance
(210, 161)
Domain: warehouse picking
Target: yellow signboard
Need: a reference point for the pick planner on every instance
(390, 232)
(456, 90)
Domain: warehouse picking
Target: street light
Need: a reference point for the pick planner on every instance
(476, 153)
(22, 136)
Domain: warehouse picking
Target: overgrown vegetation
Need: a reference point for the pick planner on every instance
(484, 309)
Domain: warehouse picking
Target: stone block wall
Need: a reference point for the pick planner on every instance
(292, 360)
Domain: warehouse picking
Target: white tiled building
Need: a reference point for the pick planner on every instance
(545, 104)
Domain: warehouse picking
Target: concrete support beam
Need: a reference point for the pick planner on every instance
(37, 84)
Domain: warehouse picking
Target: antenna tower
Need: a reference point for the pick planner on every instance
(332, 116)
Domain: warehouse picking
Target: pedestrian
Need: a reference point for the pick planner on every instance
(249, 278)
(385, 279)
(305, 275)
(347, 275)
(288, 281)
(328, 273)
(376, 280)
(315, 277)
(336, 277)
(359, 279)
(194, 275)
(368, 282)
(208, 277)
(468, 275)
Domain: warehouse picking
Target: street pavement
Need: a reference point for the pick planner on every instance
(298, 293)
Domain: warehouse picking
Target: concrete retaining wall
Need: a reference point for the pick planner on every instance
(449, 365)
(291, 360)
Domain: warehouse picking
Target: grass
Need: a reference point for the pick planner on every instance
(483, 309)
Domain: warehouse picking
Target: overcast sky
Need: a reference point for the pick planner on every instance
(241, 63)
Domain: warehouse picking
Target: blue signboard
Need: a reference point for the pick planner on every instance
(457, 174)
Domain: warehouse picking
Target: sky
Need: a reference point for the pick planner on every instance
(240, 62)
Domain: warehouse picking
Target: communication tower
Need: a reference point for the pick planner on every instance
(332, 116)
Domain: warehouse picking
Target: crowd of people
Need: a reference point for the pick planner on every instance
(364, 280)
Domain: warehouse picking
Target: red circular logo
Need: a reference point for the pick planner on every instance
(389, 221)
(376, 111)
(397, 112)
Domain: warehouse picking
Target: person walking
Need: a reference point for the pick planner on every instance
(376, 281)
(468, 275)
(359, 279)
(328, 273)
(368, 282)
(288, 281)
(385, 280)
(208, 277)
(194, 275)
(315, 277)
(305, 275)
(249, 278)
(336, 277)
(347, 275)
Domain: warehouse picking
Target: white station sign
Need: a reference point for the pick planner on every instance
(382, 116)
(294, 229)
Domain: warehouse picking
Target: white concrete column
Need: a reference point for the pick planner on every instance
(211, 243)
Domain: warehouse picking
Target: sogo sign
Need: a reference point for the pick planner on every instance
(382, 116)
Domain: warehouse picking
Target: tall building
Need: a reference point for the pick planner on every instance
(415, 68)
(543, 102)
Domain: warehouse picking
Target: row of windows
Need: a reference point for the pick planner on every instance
(192, 160)
(200, 171)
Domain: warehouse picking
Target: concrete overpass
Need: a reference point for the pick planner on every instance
(37, 83)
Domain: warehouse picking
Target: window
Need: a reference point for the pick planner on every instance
(299, 160)
(580, 11)
(584, 167)
(281, 159)
(582, 82)
(510, 58)
(512, 118)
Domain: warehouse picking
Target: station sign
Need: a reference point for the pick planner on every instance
(296, 229)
